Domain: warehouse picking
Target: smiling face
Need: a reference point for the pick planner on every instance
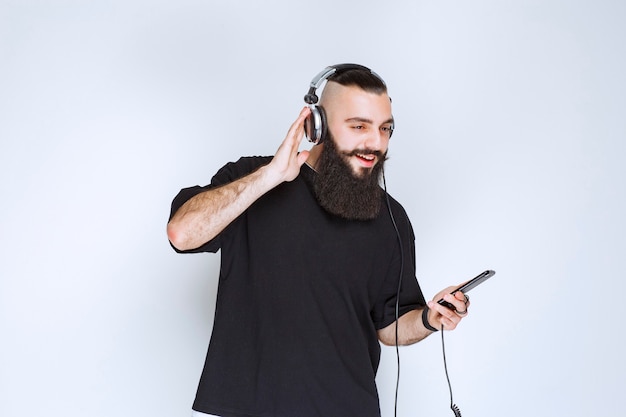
(360, 123)
(350, 161)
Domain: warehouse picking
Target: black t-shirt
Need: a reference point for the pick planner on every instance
(301, 295)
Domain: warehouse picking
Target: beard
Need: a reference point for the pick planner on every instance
(341, 191)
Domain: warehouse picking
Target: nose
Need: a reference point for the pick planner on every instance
(377, 141)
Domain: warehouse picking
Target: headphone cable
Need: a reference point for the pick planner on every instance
(397, 306)
(455, 409)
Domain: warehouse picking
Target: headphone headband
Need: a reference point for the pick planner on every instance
(326, 73)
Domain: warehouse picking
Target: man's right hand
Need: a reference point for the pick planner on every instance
(285, 165)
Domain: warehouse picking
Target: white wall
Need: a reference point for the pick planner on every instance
(507, 155)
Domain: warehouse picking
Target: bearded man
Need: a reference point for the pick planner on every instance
(317, 264)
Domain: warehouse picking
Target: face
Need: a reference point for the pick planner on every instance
(360, 124)
(351, 159)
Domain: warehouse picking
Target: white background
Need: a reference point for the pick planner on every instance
(508, 154)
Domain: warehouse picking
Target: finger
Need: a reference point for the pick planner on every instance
(455, 306)
(463, 297)
(460, 296)
(443, 316)
(296, 131)
(459, 304)
(444, 312)
(450, 324)
(462, 311)
(302, 157)
(299, 123)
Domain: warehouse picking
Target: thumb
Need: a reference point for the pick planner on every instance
(302, 157)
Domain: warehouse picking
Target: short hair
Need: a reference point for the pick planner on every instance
(365, 79)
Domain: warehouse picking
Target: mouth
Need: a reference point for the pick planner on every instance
(366, 160)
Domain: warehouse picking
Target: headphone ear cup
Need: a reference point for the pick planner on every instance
(323, 128)
(315, 125)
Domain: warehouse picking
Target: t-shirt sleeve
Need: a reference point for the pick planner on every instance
(230, 172)
(411, 297)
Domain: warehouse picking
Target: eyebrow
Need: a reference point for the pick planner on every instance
(364, 120)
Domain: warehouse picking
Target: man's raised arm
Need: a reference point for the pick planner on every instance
(205, 215)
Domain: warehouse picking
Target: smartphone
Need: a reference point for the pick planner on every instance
(479, 279)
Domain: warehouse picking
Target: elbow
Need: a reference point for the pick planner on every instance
(387, 337)
(386, 342)
(176, 236)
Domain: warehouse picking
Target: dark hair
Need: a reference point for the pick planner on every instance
(362, 78)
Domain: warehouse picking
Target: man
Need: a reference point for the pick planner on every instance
(313, 252)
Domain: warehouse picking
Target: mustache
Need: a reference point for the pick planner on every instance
(355, 152)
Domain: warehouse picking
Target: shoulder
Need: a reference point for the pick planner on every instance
(395, 205)
(240, 168)
(398, 213)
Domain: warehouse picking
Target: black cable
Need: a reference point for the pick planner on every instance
(455, 409)
(397, 307)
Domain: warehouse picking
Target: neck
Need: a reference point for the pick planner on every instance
(314, 156)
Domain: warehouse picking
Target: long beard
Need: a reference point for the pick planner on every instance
(342, 193)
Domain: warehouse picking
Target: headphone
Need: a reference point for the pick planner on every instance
(315, 125)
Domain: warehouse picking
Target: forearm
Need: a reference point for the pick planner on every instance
(410, 330)
(205, 215)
